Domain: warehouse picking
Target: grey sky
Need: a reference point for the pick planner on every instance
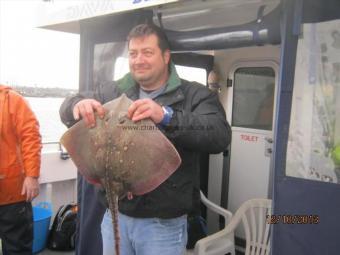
(30, 56)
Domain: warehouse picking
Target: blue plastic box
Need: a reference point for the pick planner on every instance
(42, 213)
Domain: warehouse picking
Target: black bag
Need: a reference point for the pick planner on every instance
(62, 234)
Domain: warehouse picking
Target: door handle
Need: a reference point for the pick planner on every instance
(268, 146)
(269, 139)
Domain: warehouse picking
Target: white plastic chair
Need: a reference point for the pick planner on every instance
(252, 214)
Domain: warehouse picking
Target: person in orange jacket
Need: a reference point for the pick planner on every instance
(20, 149)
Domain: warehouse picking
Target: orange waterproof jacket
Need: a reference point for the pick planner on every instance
(20, 145)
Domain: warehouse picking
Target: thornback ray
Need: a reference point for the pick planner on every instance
(123, 156)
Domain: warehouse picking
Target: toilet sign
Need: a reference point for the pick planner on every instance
(249, 138)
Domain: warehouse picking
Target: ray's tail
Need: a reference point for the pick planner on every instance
(112, 199)
(114, 212)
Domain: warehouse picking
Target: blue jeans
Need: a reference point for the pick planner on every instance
(146, 236)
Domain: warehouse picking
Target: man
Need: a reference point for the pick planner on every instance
(20, 148)
(192, 119)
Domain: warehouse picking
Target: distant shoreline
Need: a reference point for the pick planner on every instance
(44, 92)
(43, 96)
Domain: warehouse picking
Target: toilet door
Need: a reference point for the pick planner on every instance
(251, 100)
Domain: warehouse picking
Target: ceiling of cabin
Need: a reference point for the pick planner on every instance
(181, 15)
(203, 14)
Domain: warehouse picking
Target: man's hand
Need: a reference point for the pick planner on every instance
(145, 108)
(86, 109)
(30, 188)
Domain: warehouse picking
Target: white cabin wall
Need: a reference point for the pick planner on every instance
(224, 61)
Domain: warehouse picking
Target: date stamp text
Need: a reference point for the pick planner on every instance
(292, 219)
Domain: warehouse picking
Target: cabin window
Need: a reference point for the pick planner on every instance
(121, 68)
(253, 97)
(109, 62)
(313, 150)
(192, 73)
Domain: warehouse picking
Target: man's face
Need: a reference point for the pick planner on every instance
(148, 65)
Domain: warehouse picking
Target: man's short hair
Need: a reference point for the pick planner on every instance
(142, 30)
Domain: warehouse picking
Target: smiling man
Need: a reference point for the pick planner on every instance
(155, 223)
